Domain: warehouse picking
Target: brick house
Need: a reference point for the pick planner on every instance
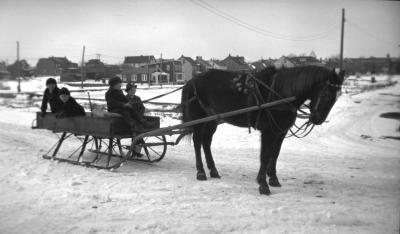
(53, 66)
(188, 67)
(135, 68)
(166, 71)
(235, 63)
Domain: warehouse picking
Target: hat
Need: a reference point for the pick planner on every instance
(51, 81)
(64, 91)
(130, 85)
(115, 80)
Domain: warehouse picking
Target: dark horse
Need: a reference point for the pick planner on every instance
(219, 91)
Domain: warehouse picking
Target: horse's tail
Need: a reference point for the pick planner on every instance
(187, 95)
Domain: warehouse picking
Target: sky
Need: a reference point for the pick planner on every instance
(209, 28)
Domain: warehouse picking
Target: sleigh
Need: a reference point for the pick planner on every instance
(105, 141)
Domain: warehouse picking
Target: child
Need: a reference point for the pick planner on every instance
(137, 106)
(70, 106)
(117, 102)
(51, 96)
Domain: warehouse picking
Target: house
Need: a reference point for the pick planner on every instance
(201, 65)
(235, 63)
(188, 67)
(135, 74)
(216, 64)
(262, 64)
(71, 74)
(297, 61)
(4, 74)
(166, 71)
(138, 61)
(95, 69)
(20, 68)
(135, 68)
(53, 66)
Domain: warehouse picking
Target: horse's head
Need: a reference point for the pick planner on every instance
(327, 93)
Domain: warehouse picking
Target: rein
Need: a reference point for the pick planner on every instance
(301, 131)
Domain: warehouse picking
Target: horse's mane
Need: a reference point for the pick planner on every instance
(294, 81)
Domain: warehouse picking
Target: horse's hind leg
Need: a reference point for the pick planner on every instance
(197, 141)
(271, 169)
(208, 133)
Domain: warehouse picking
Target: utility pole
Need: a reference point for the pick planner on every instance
(82, 66)
(18, 70)
(341, 42)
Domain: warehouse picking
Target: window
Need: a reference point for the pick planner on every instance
(144, 77)
(168, 67)
(134, 77)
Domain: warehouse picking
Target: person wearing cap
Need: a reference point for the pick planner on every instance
(70, 107)
(135, 101)
(51, 96)
(117, 102)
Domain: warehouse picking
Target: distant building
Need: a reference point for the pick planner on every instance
(72, 74)
(135, 74)
(364, 65)
(4, 74)
(53, 66)
(166, 71)
(138, 61)
(216, 64)
(188, 67)
(297, 61)
(201, 65)
(235, 63)
(135, 68)
(20, 69)
(97, 70)
(262, 64)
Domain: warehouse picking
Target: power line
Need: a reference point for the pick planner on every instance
(259, 30)
(366, 32)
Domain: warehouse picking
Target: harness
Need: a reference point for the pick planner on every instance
(252, 84)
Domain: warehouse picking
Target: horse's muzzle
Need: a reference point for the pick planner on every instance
(316, 119)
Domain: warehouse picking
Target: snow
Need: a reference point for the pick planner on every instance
(342, 178)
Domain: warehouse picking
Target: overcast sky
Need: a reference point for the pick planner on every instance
(211, 28)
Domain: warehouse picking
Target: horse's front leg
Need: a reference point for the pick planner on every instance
(267, 139)
(271, 169)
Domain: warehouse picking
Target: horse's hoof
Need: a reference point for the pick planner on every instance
(214, 173)
(274, 182)
(264, 190)
(201, 176)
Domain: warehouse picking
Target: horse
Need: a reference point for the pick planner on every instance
(218, 91)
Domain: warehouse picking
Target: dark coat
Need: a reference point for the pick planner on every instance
(115, 100)
(71, 108)
(136, 103)
(53, 99)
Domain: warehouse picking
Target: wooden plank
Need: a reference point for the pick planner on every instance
(164, 131)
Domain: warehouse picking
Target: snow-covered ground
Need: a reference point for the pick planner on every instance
(343, 178)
